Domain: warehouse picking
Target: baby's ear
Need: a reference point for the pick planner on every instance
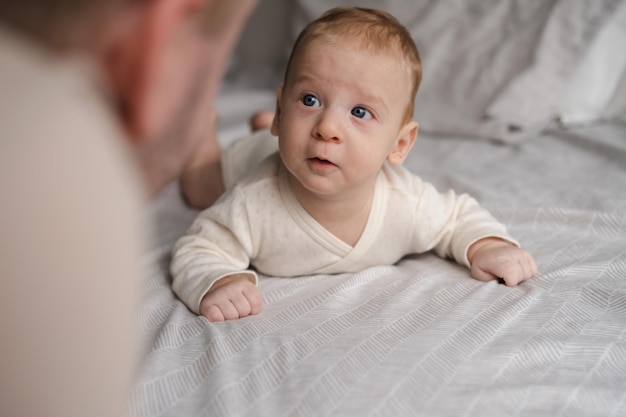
(276, 122)
(404, 143)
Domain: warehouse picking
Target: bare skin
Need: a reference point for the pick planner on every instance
(261, 120)
(168, 103)
(230, 298)
(493, 258)
(201, 181)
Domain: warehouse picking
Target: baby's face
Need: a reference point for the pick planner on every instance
(339, 117)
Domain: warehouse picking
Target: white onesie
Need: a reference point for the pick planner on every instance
(259, 222)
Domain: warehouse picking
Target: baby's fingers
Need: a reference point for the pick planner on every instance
(527, 268)
(508, 264)
(511, 279)
(231, 300)
(225, 310)
(238, 305)
(214, 313)
(254, 298)
(217, 307)
(481, 274)
(247, 302)
(510, 273)
(530, 266)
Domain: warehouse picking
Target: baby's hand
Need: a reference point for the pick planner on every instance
(230, 298)
(493, 258)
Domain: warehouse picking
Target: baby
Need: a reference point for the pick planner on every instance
(334, 197)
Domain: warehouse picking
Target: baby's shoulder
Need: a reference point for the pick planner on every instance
(400, 179)
(261, 184)
(266, 172)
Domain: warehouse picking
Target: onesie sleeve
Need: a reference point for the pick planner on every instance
(217, 244)
(450, 223)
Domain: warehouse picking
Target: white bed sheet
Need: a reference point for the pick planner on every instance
(420, 337)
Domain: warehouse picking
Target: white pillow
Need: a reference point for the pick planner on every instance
(616, 108)
(493, 69)
(591, 88)
(573, 74)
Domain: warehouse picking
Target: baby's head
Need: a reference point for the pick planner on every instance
(366, 29)
(346, 105)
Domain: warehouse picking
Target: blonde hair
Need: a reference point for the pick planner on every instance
(374, 29)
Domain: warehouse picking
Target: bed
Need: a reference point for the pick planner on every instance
(545, 153)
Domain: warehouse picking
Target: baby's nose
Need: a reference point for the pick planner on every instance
(328, 126)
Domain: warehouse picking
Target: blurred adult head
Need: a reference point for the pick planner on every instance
(163, 61)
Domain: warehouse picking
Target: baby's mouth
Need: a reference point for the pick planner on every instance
(321, 162)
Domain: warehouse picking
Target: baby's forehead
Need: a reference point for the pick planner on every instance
(353, 45)
(315, 46)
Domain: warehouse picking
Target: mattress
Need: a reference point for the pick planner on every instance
(421, 337)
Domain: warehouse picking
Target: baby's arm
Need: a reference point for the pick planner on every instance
(208, 262)
(231, 297)
(493, 258)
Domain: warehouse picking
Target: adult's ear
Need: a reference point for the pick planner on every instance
(276, 122)
(135, 57)
(404, 143)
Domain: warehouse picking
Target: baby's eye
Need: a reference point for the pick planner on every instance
(310, 100)
(361, 113)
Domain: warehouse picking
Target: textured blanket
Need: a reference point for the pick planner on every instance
(422, 338)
